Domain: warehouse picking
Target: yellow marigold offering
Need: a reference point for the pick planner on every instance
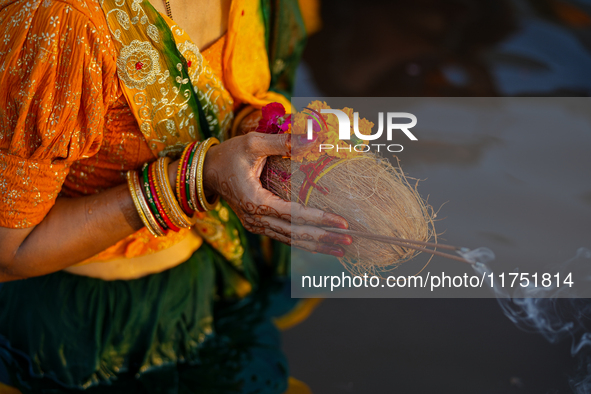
(326, 127)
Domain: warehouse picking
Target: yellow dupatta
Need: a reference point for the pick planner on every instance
(169, 98)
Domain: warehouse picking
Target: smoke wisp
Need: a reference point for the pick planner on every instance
(557, 312)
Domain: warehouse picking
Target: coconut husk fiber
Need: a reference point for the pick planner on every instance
(373, 195)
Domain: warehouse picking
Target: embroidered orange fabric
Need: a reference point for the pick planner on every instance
(67, 121)
(58, 78)
(65, 125)
(141, 243)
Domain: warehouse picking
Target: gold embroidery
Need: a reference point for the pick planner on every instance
(162, 107)
(138, 65)
(160, 100)
(224, 214)
(125, 21)
(194, 59)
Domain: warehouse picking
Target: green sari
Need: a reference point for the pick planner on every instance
(166, 333)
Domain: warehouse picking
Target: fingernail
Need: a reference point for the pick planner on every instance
(303, 139)
(332, 220)
(330, 250)
(334, 238)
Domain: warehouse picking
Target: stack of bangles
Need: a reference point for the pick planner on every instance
(161, 208)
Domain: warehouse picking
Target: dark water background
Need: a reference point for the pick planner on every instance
(458, 48)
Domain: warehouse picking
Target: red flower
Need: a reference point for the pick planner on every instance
(273, 120)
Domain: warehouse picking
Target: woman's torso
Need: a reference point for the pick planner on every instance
(84, 127)
(124, 147)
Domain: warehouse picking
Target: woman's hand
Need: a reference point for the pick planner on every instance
(233, 169)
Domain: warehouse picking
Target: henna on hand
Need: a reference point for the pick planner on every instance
(232, 170)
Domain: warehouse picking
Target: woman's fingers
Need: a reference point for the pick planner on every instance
(315, 247)
(300, 233)
(300, 144)
(311, 216)
(329, 249)
(297, 213)
(263, 145)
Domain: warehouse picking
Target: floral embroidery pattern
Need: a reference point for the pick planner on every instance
(138, 64)
(160, 96)
(194, 59)
(125, 21)
(163, 98)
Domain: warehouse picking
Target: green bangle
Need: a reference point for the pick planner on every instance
(150, 198)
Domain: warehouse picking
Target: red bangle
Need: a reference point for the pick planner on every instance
(161, 210)
(147, 192)
(180, 183)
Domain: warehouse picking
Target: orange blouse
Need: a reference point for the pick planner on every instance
(58, 81)
(65, 125)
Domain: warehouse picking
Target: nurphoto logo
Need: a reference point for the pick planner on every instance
(316, 123)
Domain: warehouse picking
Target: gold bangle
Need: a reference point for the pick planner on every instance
(156, 230)
(167, 214)
(178, 172)
(136, 203)
(201, 161)
(193, 179)
(169, 202)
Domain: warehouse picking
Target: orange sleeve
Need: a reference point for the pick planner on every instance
(56, 79)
